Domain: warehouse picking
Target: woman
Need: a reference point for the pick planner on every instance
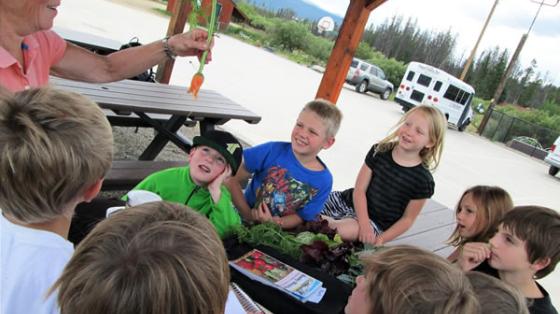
(30, 51)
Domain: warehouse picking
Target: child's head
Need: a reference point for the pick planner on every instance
(528, 238)
(157, 257)
(405, 279)
(495, 296)
(479, 211)
(327, 112)
(212, 153)
(55, 147)
(316, 127)
(422, 128)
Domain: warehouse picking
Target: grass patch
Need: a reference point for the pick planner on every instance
(162, 11)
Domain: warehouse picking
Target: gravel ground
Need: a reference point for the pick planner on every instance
(130, 142)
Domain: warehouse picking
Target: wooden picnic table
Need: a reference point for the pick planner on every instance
(431, 229)
(164, 107)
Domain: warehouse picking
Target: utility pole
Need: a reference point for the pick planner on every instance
(509, 68)
(473, 52)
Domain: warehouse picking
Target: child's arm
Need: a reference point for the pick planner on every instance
(473, 254)
(222, 214)
(453, 256)
(262, 214)
(234, 186)
(215, 186)
(365, 232)
(410, 213)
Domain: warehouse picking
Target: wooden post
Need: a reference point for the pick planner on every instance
(344, 48)
(177, 23)
(170, 6)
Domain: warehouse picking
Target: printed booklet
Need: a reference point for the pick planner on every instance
(272, 272)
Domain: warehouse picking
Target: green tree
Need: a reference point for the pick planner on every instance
(290, 35)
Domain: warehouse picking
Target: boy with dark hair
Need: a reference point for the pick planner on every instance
(55, 149)
(214, 157)
(290, 182)
(526, 247)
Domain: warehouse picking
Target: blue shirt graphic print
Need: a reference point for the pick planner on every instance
(283, 183)
(283, 194)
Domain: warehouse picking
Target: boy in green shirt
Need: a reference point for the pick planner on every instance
(214, 157)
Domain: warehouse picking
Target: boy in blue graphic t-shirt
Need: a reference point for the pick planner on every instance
(290, 182)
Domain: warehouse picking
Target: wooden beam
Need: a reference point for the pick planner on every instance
(373, 4)
(344, 48)
(177, 23)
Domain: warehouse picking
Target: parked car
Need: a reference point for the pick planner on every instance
(368, 77)
(553, 158)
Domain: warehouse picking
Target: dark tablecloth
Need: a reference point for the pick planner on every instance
(278, 302)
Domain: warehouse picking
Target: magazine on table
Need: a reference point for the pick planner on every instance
(274, 273)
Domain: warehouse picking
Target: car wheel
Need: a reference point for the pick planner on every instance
(386, 93)
(464, 125)
(553, 170)
(362, 87)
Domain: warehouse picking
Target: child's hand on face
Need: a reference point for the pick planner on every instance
(214, 186)
(473, 254)
(366, 234)
(261, 213)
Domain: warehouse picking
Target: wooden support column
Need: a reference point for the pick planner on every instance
(177, 23)
(344, 48)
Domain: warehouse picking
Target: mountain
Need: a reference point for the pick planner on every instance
(303, 10)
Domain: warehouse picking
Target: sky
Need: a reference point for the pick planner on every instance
(510, 21)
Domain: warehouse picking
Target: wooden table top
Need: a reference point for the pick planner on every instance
(136, 96)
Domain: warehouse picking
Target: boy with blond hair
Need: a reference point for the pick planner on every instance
(526, 247)
(157, 257)
(408, 280)
(55, 149)
(290, 182)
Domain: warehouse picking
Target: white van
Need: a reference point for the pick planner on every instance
(553, 158)
(427, 85)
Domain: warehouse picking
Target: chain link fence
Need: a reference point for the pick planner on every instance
(503, 128)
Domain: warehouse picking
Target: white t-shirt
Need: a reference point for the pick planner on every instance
(31, 261)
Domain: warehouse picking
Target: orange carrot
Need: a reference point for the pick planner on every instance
(198, 78)
(196, 83)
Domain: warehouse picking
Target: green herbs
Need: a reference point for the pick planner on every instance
(325, 251)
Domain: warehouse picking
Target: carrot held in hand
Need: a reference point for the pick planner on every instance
(198, 77)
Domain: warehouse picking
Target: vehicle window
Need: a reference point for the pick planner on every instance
(364, 67)
(354, 63)
(437, 86)
(373, 70)
(424, 80)
(381, 74)
(457, 95)
(410, 76)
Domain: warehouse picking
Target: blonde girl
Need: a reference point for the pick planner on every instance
(394, 183)
(479, 212)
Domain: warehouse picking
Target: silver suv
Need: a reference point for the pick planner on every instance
(368, 77)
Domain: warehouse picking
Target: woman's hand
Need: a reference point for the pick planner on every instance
(191, 43)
